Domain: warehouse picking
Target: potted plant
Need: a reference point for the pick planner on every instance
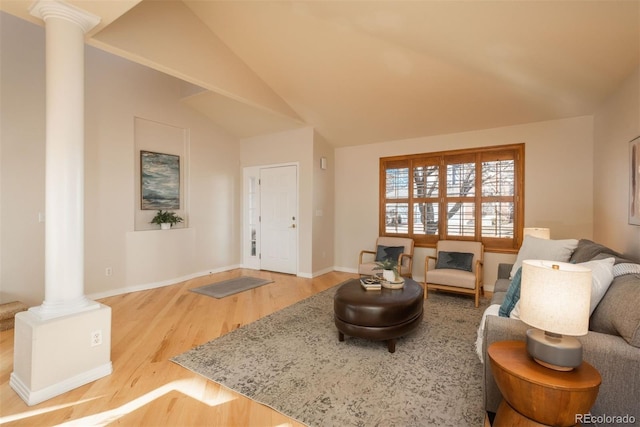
(166, 219)
(389, 267)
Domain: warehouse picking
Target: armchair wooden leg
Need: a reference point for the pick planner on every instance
(426, 294)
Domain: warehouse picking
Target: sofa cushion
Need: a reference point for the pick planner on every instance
(512, 296)
(552, 250)
(619, 311)
(452, 277)
(501, 285)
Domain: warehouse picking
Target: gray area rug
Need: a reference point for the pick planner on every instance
(293, 362)
(231, 286)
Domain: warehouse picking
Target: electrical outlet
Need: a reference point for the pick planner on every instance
(96, 338)
(108, 271)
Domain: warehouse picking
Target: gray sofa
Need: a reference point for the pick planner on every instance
(612, 345)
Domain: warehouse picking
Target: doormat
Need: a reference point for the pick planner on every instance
(231, 286)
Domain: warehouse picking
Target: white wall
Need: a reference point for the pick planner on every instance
(616, 123)
(22, 112)
(294, 146)
(117, 91)
(558, 184)
(316, 222)
(323, 206)
(562, 190)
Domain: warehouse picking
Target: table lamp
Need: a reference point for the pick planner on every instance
(542, 233)
(554, 299)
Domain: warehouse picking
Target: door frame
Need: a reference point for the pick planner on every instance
(251, 201)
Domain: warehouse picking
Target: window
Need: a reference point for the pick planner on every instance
(462, 195)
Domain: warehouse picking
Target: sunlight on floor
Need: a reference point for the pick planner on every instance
(182, 386)
(107, 417)
(35, 412)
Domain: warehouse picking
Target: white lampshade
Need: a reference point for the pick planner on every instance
(555, 299)
(542, 233)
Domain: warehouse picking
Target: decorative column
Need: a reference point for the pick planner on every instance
(65, 342)
(64, 191)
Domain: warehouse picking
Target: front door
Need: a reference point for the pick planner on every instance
(279, 219)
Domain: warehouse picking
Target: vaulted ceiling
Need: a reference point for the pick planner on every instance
(369, 71)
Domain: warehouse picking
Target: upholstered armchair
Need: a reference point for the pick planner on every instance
(457, 267)
(399, 248)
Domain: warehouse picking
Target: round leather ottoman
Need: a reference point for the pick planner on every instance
(383, 315)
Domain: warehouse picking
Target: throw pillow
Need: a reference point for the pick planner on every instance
(512, 296)
(386, 252)
(551, 250)
(588, 250)
(515, 313)
(455, 260)
(601, 278)
(625, 268)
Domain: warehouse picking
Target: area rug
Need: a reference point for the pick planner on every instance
(231, 286)
(293, 362)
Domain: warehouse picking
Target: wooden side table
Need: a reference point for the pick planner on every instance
(535, 395)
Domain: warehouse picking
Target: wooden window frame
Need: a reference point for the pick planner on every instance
(477, 156)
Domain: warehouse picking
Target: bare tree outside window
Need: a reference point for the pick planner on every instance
(465, 194)
(426, 186)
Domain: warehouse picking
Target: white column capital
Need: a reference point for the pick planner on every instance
(45, 9)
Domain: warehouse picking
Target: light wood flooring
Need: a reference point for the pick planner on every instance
(148, 328)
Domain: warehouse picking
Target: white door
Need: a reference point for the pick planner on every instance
(279, 219)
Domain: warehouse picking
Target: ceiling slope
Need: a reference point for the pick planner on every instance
(167, 36)
(370, 71)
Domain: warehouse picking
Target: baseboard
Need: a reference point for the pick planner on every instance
(346, 270)
(34, 397)
(323, 271)
(154, 285)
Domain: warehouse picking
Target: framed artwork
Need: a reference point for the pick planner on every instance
(634, 183)
(160, 181)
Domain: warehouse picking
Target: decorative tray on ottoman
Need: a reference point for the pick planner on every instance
(395, 284)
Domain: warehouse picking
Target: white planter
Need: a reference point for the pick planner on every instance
(165, 226)
(388, 275)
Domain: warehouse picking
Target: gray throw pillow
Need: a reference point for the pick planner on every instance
(388, 252)
(588, 250)
(551, 250)
(455, 260)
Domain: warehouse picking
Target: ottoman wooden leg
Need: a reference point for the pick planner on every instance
(340, 336)
(391, 345)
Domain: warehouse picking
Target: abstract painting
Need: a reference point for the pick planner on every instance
(634, 184)
(160, 180)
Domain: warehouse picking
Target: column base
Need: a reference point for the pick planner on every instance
(49, 310)
(54, 356)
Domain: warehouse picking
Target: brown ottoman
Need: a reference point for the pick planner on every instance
(382, 315)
